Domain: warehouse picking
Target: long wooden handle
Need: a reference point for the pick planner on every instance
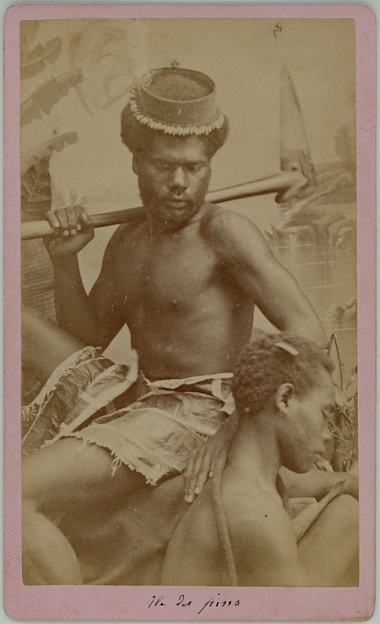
(273, 184)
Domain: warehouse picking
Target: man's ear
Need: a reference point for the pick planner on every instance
(135, 164)
(284, 393)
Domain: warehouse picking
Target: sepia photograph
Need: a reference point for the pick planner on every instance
(189, 306)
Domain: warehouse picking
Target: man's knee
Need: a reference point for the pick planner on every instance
(348, 506)
(345, 511)
(30, 487)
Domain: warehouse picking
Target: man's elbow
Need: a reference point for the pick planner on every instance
(89, 338)
(318, 333)
(309, 326)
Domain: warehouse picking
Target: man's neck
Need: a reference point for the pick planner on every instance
(254, 453)
(159, 226)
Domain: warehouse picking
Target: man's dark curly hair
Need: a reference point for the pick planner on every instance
(270, 360)
(138, 137)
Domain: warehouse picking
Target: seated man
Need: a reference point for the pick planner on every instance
(185, 277)
(239, 530)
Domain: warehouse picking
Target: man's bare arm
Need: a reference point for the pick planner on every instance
(244, 252)
(105, 294)
(317, 483)
(93, 320)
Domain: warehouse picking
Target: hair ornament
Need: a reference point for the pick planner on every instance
(287, 347)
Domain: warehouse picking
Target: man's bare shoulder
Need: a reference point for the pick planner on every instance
(230, 233)
(124, 235)
(262, 539)
(257, 518)
(253, 507)
(219, 220)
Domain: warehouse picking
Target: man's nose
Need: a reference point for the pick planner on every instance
(327, 435)
(179, 179)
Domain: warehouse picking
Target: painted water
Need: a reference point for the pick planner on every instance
(328, 278)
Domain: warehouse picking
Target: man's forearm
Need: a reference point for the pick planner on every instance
(317, 483)
(73, 308)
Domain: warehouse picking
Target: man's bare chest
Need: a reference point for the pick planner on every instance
(170, 274)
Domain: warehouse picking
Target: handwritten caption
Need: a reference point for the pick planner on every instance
(183, 601)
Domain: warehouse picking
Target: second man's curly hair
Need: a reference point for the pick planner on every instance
(270, 360)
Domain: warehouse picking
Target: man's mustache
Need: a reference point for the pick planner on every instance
(147, 196)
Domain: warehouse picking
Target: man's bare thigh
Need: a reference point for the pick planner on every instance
(69, 474)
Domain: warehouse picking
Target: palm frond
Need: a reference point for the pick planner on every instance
(45, 96)
(45, 150)
(37, 59)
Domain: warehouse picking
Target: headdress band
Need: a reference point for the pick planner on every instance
(176, 101)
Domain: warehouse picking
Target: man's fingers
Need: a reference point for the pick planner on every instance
(202, 475)
(198, 476)
(219, 457)
(189, 497)
(78, 212)
(58, 220)
(188, 472)
(206, 469)
(191, 472)
(51, 217)
(84, 219)
(63, 221)
(70, 220)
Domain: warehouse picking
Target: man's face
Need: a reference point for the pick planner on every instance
(173, 177)
(307, 431)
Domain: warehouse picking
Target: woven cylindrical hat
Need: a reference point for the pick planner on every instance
(177, 101)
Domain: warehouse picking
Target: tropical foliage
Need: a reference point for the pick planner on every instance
(99, 72)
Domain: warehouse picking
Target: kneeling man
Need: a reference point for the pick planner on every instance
(239, 530)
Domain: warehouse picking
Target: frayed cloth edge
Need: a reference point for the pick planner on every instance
(103, 399)
(65, 368)
(117, 461)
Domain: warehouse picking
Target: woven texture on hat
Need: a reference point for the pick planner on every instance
(178, 87)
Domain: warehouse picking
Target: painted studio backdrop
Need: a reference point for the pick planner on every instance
(286, 87)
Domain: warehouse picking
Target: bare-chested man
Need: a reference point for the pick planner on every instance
(239, 531)
(185, 278)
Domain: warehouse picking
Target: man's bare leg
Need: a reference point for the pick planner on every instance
(329, 551)
(44, 344)
(65, 477)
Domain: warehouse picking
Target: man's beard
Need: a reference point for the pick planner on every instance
(161, 209)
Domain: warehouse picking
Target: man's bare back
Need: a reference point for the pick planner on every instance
(239, 530)
(251, 514)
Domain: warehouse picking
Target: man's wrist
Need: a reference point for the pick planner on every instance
(65, 263)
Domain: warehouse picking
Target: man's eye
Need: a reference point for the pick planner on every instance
(162, 167)
(329, 417)
(194, 168)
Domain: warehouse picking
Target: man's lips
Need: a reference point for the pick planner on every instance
(319, 456)
(176, 203)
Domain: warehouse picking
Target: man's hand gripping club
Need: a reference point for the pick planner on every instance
(73, 230)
